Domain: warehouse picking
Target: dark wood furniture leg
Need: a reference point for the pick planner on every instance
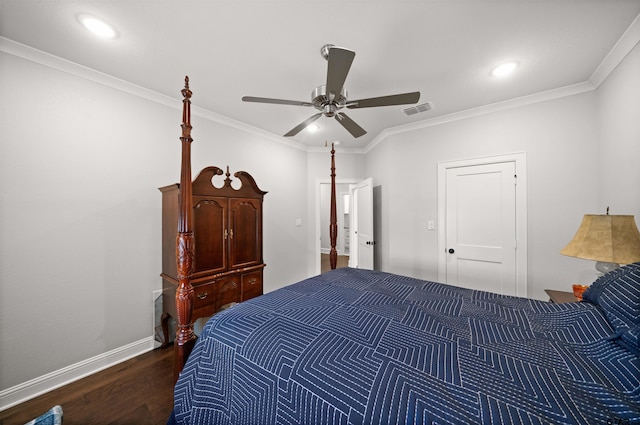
(164, 321)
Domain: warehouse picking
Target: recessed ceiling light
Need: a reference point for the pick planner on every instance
(504, 69)
(97, 26)
(312, 128)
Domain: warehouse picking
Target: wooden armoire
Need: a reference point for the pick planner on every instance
(227, 228)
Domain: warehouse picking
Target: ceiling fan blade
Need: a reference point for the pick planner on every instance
(394, 99)
(276, 101)
(339, 63)
(350, 125)
(298, 128)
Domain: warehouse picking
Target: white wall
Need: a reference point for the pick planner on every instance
(582, 155)
(619, 135)
(80, 249)
(560, 142)
(278, 169)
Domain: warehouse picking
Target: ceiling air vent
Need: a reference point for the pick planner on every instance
(418, 108)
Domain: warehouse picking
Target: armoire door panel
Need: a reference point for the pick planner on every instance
(245, 232)
(210, 222)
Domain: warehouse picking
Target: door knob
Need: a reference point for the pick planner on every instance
(451, 250)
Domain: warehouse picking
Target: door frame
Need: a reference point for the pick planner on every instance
(354, 215)
(318, 223)
(520, 160)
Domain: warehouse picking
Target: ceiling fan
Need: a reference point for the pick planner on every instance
(332, 96)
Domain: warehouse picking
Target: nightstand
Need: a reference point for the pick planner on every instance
(559, 297)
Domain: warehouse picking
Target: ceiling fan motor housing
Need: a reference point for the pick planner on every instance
(328, 103)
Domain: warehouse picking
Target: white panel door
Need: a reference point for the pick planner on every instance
(362, 225)
(481, 227)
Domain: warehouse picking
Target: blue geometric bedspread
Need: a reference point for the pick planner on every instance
(363, 347)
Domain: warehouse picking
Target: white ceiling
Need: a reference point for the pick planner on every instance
(271, 48)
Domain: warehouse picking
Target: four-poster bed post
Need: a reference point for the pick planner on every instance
(185, 243)
(185, 240)
(333, 221)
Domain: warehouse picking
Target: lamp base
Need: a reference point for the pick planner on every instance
(604, 267)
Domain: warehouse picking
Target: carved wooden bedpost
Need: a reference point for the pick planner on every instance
(333, 220)
(185, 243)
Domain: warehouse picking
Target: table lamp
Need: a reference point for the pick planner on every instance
(610, 240)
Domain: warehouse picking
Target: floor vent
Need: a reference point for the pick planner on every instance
(418, 108)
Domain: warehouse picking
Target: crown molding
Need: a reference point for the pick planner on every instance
(55, 62)
(315, 149)
(620, 50)
(629, 39)
(483, 110)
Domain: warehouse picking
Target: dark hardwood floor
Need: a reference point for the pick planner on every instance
(138, 391)
(343, 261)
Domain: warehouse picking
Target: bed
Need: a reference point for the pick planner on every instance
(363, 347)
(356, 346)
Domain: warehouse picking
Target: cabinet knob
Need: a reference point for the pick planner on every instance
(202, 295)
(253, 281)
(451, 250)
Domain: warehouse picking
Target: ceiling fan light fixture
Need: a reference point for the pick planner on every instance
(329, 110)
(504, 69)
(312, 128)
(97, 27)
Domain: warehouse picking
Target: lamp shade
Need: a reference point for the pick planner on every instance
(606, 238)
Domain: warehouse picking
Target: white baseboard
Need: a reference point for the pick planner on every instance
(56, 379)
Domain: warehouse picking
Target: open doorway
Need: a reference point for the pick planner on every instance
(343, 219)
(355, 239)
(323, 205)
